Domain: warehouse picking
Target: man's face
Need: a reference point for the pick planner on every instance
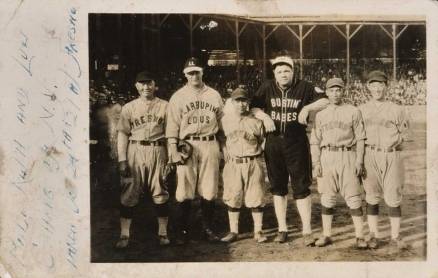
(194, 78)
(377, 90)
(146, 88)
(283, 75)
(240, 105)
(335, 94)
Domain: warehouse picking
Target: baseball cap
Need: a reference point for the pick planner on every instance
(333, 82)
(239, 93)
(283, 60)
(144, 76)
(192, 64)
(377, 75)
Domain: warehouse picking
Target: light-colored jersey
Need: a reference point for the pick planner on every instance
(194, 113)
(385, 125)
(244, 135)
(144, 120)
(338, 125)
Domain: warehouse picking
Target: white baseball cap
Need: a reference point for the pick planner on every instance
(283, 60)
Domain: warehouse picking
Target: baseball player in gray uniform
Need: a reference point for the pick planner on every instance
(142, 155)
(337, 145)
(243, 175)
(194, 114)
(386, 125)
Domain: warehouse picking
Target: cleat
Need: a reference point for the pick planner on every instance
(210, 236)
(260, 238)
(361, 243)
(373, 242)
(398, 243)
(281, 237)
(323, 241)
(309, 240)
(123, 242)
(164, 240)
(230, 237)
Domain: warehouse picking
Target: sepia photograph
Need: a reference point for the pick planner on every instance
(256, 138)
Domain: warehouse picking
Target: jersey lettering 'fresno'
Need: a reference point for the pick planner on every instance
(385, 125)
(143, 120)
(338, 126)
(192, 113)
(284, 105)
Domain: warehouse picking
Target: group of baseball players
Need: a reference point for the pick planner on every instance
(348, 147)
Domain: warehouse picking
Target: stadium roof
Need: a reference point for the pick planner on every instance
(331, 19)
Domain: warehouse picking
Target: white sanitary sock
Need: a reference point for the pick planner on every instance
(305, 210)
(125, 224)
(233, 217)
(327, 225)
(395, 227)
(257, 217)
(372, 224)
(280, 206)
(162, 226)
(358, 226)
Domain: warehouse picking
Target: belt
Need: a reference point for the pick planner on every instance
(385, 150)
(338, 149)
(240, 160)
(147, 143)
(201, 138)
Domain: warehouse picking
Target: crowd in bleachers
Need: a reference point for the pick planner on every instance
(409, 89)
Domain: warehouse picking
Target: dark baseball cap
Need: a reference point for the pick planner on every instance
(144, 76)
(377, 75)
(192, 64)
(334, 82)
(239, 93)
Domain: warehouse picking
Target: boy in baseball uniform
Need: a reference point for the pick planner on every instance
(194, 114)
(243, 175)
(142, 155)
(385, 125)
(337, 143)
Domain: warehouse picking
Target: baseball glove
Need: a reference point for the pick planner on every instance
(186, 150)
(169, 170)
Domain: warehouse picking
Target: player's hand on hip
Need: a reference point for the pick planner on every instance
(269, 124)
(303, 116)
(317, 171)
(359, 169)
(124, 169)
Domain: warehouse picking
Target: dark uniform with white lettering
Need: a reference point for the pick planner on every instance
(142, 156)
(287, 150)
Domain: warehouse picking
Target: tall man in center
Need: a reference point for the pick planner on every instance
(194, 113)
(284, 105)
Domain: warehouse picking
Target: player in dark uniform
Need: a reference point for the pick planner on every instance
(287, 102)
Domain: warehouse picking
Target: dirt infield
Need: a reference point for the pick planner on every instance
(144, 246)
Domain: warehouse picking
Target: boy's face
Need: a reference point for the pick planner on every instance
(377, 89)
(335, 94)
(240, 105)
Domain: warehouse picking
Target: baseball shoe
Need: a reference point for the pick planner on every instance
(210, 236)
(281, 237)
(230, 237)
(309, 240)
(373, 242)
(164, 240)
(260, 238)
(323, 241)
(123, 242)
(398, 244)
(182, 238)
(361, 243)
